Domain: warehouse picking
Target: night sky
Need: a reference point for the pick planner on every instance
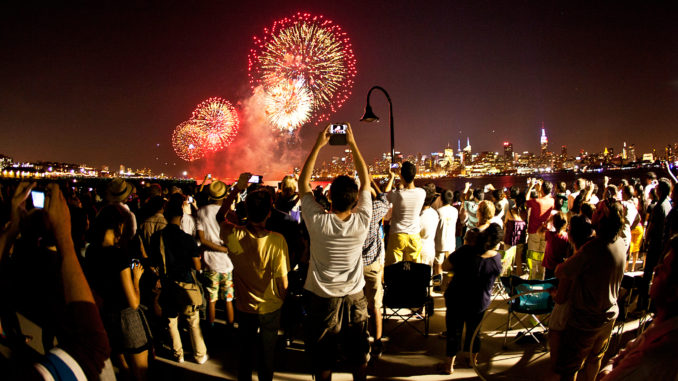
(105, 84)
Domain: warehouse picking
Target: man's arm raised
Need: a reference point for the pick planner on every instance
(307, 171)
(360, 166)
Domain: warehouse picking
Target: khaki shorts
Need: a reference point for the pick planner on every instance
(576, 346)
(334, 324)
(374, 290)
(403, 247)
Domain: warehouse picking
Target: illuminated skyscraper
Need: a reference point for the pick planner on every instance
(544, 141)
(467, 152)
(508, 151)
(563, 151)
(632, 153)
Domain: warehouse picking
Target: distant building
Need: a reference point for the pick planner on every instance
(544, 141)
(508, 151)
(632, 153)
(563, 151)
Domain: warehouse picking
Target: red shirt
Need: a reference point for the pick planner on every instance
(556, 249)
(540, 210)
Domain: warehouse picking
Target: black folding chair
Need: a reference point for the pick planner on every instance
(407, 294)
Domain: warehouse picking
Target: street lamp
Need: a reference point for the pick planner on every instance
(369, 116)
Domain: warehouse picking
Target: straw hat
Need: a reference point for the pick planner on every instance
(118, 190)
(217, 190)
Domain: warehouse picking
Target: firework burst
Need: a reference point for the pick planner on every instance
(288, 104)
(219, 121)
(188, 141)
(310, 49)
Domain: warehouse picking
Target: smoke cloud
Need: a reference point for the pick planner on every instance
(258, 148)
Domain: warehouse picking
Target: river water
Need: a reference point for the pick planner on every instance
(501, 181)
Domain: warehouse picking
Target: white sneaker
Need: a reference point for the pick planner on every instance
(179, 359)
(202, 359)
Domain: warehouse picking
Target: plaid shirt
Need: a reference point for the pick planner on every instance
(373, 242)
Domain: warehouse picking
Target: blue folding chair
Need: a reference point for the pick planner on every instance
(530, 298)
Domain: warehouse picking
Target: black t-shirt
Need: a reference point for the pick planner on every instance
(471, 286)
(180, 249)
(103, 266)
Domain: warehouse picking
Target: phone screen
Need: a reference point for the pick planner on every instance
(394, 165)
(338, 129)
(190, 199)
(338, 134)
(255, 179)
(38, 198)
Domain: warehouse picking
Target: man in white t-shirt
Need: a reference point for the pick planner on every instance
(336, 305)
(219, 267)
(446, 231)
(404, 242)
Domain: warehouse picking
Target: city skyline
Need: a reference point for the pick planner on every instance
(107, 84)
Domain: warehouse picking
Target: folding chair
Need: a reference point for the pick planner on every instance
(531, 299)
(407, 294)
(534, 260)
(507, 257)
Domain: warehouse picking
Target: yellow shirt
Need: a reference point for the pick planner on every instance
(257, 263)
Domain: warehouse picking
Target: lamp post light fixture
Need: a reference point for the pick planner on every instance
(370, 116)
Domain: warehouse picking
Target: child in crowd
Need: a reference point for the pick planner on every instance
(557, 245)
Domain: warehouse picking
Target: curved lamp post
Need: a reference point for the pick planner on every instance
(369, 116)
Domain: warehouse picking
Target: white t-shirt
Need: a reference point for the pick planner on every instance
(407, 205)
(504, 207)
(429, 224)
(446, 239)
(336, 268)
(630, 213)
(497, 220)
(207, 222)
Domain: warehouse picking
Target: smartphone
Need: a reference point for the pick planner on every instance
(209, 175)
(395, 165)
(338, 134)
(190, 199)
(38, 198)
(134, 263)
(255, 179)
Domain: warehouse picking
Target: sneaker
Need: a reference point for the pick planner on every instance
(179, 359)
(202, 359)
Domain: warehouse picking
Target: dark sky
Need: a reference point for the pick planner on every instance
(104, 84)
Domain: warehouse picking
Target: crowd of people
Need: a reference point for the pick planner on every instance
(118, 271)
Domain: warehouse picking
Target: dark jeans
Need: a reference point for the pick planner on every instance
(455, 320)
(258, 335)
(333, 322)
(548, 273)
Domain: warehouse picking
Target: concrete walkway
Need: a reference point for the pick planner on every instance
(408, 355)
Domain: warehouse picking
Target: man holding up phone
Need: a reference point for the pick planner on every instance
(336, 305)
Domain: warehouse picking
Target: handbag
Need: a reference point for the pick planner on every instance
(186, 296)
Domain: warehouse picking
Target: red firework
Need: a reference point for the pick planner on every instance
(306, 48)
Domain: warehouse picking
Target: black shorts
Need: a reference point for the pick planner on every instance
(335, 322)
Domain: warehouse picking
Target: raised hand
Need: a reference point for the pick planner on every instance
(58, 214)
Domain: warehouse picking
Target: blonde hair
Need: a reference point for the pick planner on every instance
(485, 211)
(289, 185)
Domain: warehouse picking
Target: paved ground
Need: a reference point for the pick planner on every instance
(408, 355)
